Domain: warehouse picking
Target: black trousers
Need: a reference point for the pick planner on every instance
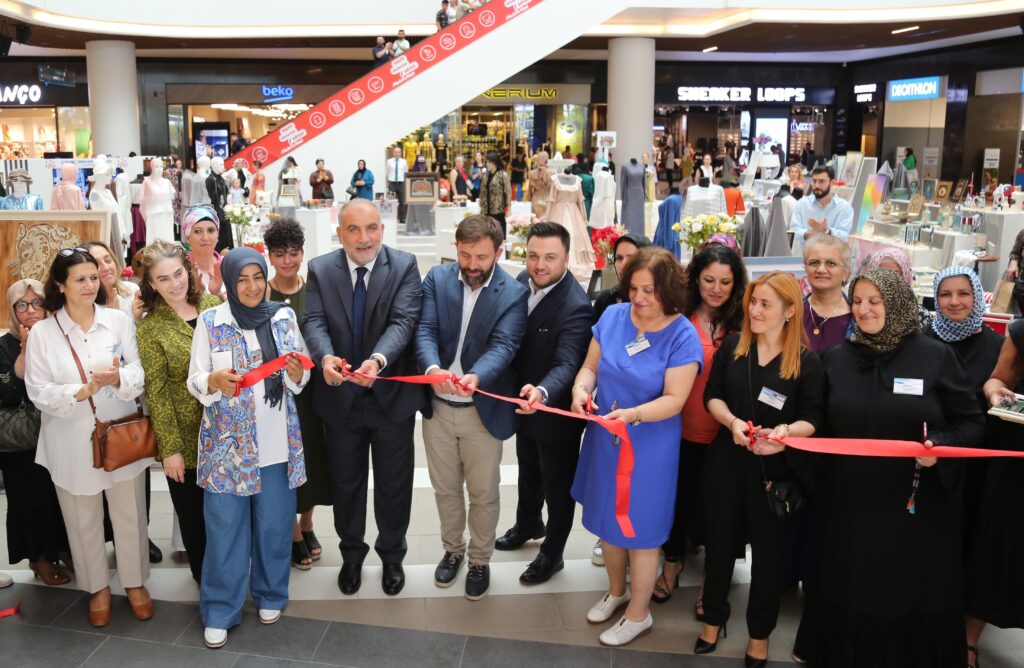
(35, 525)
(546, 471)
(187, 499)
(398, 188)
(370, 432)
(688, 524)
(736, 507)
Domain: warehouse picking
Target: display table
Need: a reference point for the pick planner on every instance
(321, 231)
(1001, 228)
(935, 255)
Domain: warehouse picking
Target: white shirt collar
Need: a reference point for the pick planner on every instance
(352, 266)
(101, 318)
(544, 291)
(494, 269)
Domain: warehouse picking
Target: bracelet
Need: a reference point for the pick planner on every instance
(638, 419)
(787, 428)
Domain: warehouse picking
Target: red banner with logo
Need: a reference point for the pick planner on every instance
(382, 80)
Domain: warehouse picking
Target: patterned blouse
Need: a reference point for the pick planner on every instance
(495, 193)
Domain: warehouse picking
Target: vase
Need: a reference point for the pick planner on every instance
(599, 262)
(685, 254)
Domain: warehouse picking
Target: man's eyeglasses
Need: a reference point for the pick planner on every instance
(68, 252)
(816, 264)
(21, 306)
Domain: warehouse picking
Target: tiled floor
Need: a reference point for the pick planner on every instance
(424, 626)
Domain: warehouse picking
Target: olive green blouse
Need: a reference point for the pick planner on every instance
(165, 345)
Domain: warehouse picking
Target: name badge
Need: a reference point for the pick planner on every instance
(638, 345)
(911, 386)
(772, 398)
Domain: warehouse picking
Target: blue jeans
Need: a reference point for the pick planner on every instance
(248, 541)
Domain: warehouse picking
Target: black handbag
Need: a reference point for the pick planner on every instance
(784, 497)
(19, 427)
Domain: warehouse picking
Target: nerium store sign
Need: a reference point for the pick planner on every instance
(512, 94)
(755, 94)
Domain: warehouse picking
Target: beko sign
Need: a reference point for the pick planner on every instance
(741, 94)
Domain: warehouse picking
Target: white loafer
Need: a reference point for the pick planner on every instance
(269, 616)
(5, 580)
(606, 607)
(597, 554)
(625, 631)
(215, 638)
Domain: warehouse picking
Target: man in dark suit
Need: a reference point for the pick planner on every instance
(362, 305)
(548, 446)
(472, 321)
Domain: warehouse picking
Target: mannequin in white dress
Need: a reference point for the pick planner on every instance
(123, 190)
(102, 199)
(602, 209)
(567, 209)
(156, 203)
(707, 199)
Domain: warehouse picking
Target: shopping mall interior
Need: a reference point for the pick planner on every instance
(602, 114)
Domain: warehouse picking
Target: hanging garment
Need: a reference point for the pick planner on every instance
(67, 196)
(633, 197)
(568, 211)
(157, 204)
(123, 191)
(602, 210)
(669, 213)
(709, 200)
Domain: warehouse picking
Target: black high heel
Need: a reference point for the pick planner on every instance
(751, 662)
(661, 595)
(704, 647)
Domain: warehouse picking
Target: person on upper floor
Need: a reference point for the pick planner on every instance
(381, 53)
(400, 45)
(442, 19)
(825, 213)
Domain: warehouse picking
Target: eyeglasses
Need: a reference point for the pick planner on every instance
(816, 264)
(21, 306)
(68, 252)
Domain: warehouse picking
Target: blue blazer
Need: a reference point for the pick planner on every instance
(492, 338)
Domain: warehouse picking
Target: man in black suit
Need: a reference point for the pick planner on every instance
(362, 307)
(548, 446)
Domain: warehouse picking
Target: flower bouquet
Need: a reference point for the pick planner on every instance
(694, 231)
(240, 217)
(519, 226)
(604, 240)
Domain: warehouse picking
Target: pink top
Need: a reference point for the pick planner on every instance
(67, 196)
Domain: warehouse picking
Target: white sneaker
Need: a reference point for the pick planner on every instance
(597, 555)
(215, 638)
(5, 580)
(269, 616)
(625, 631)
(606, 607)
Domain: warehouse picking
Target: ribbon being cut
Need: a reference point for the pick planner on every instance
(860, 447)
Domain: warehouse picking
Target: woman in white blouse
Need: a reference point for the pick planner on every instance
(104, 340)
(120, 294)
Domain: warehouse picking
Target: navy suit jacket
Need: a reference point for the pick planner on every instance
(553, 349)
(393, 299)
(492, 338)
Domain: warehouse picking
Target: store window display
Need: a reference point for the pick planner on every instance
(19, 198)
(156, 202)
(67, 196)
(568, 210)
(217, 189)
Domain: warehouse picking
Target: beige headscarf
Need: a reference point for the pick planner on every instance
(16, 292)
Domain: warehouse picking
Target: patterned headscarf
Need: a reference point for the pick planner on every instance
(874, 260)
(901, 317)
(948, 330)
(196, 214)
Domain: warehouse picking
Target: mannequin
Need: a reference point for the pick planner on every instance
(634, 195)
(217, 189)
(193, 184)
(19, 198)
(123, 191)
(101, 198)
(412, 149)
(602, 210)
(67, 196)
(706, 197)
(567, 210)
(157, 204)
(442, 152)
(428, 151)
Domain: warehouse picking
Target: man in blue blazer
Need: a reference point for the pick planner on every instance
(548, 446)
(471, 324)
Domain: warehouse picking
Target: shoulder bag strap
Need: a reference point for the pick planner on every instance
(78, 363)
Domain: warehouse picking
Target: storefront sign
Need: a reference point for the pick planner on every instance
(20, 94)
(795, 127)
(926, 88)
(865, 92)
(54, 76)
(512, 94)
(377, 83)
(764, 94)
(277, 93)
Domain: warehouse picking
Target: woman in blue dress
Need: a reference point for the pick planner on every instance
(642, 362)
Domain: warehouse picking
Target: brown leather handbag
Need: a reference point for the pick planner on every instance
(120, 442)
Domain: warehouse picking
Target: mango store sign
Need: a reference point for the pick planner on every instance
(20, 94)
(741, 94)
(925, 88)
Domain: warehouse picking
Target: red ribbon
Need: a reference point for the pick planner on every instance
(10, 612)
(623, 472)
(264, 371)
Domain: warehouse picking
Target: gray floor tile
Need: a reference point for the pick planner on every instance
(289, 638)
(167, 624)
(126, 653)
(40, 647)
(246, 661)
(372, 646)
(501, 653)
(627, 658)
(39, 605)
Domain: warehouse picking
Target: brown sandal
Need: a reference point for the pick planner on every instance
(49, 573)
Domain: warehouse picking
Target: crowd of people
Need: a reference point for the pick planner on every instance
(903, 561)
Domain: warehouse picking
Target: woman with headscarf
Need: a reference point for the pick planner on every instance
(250, 446)
(897, 260)
(200, 229)
(888, 590)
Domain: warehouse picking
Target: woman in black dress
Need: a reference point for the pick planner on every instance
(764, 374)
(35, 525)
(993, 579)
(888, 591)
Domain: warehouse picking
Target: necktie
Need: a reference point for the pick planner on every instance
(358, 313)
(396, 168)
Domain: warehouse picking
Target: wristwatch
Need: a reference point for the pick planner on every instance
(638, 419)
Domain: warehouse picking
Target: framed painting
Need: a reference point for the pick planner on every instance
(928, 189)
(851, 167)
(960, 190)
(422, 188)
(942, 190)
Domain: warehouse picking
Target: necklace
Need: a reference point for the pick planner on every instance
(818, 326)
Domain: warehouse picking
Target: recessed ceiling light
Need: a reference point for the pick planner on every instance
(902, 30)
(710, 49)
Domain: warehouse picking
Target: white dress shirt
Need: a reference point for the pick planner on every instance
(469, 299)
(396, 169)
(838, 215)
(400, 46)
(52, 381)
(352, 267)
(537, 295)
(271, 423)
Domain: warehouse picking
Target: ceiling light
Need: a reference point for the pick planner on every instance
(710, 49)
(902, 30)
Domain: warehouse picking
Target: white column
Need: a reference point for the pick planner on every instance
(631, 96)
(113, 97)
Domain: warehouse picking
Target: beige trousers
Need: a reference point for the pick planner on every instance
(83, 517)
(460, 451)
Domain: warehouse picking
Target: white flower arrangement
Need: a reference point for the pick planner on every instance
(694, 231)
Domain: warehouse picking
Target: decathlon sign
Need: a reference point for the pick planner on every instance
(925, 88)
(20, 94)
